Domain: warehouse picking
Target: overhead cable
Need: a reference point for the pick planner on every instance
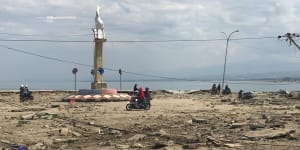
(135, 41)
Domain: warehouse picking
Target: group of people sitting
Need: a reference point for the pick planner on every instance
(24, 92)
(217, 89)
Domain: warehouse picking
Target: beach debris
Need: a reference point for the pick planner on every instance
(232, 145)
(64, 131)
(244, 95)
(107, 143)
(283, 92)
(37, 146)
(28, 117)
(237, 125)
(201, 92)
(277, 124)
(18, 147)
(122, 146)
(226, 100)
(137, 137)
(256, 125)
(158, 145)
(61, 108)
(137, 145)
(76, 133)
(113, 131)
(269, 134)
(48, 142)
(189, 122)
(22, 122)
(65, 140)
(222, 142)
(294, 95)
(193, 145)
(91, 123)
(214, 141)
(28, 109)
(160, 133)
(199, 120)
(5, 141)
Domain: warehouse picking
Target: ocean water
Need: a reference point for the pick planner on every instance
(159, 85)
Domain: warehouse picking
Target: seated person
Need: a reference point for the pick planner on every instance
(140, 95)
(147, 94)
(227, 90)
(214, 89)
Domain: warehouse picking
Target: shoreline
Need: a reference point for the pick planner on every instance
(180, 91)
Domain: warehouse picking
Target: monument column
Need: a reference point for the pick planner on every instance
(99, 38)
(98, 64)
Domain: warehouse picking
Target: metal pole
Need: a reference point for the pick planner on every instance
(224, 71)
(120, 72)
(75, 83)
(74, 71)
(120, 82)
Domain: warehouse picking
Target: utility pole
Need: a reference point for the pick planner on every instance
(289, 37)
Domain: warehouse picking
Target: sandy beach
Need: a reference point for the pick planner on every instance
(176, 120)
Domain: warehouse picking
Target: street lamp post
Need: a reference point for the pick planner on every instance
(120, 72)
(227, 40)
(74, 71)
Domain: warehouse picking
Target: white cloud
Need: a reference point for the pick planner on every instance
(53, 18)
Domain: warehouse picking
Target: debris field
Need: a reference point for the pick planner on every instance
(176, 120)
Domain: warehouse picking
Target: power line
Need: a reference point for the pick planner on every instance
(124, 71)
(46, 57)
(52, 41)
(135, 41)
(43, 35)
(85, 65)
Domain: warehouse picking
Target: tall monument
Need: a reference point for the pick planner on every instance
(99, 38)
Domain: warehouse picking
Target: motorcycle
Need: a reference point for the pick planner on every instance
(135, 103)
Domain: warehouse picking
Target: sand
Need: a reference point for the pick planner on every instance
(176, 120)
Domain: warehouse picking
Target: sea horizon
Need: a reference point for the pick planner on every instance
(258, 85)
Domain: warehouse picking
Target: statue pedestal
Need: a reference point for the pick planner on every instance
(100, 86)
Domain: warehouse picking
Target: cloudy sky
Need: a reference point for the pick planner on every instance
(143, 20)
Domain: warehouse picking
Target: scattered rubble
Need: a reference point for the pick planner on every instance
(269, 134)
(177, 120)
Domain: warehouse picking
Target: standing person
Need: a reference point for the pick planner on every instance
(214, 89)
(219, 88)
(135, 89)
(22, 91)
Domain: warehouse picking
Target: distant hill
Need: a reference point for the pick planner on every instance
(278, 76)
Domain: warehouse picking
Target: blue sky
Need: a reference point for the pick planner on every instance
(147, 20)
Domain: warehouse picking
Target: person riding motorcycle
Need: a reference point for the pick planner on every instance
(140, 96)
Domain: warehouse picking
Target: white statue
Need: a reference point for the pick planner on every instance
(99, 25)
